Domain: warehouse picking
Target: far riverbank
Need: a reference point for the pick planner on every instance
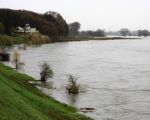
(79, 38)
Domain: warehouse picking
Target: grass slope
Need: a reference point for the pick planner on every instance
(19, 100)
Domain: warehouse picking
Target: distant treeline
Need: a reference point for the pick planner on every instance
(97, 33)
(127, 32)
(74, 30)
(75, 27)
(50, 23)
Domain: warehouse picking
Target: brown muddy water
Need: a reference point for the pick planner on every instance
(114, 76)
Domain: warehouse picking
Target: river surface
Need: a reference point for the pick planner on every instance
(114, 75)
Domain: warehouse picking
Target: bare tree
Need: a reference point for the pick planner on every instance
(124, 32)
(72, 87)
(45, 71)
(16, 60)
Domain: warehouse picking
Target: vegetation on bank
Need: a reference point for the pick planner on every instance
(8, 40)
(74, 30)
(29, 39)
(19, 100)
(86, 38)
(49, 23)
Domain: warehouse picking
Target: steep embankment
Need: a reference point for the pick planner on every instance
(19, 100)
(50, 23)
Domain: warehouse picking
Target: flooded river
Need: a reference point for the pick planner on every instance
(114, 75)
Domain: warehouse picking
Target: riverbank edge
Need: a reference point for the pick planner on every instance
(17, 40)
(19, 99)
(69, 39)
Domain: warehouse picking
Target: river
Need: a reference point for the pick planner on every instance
(114, 75)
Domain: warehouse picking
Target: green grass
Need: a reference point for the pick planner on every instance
(13, 40)
(19, 100)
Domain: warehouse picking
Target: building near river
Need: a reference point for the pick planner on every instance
(26, 30)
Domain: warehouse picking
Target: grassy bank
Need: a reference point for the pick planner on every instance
(19, 100)
(24, 39)
(13, 40)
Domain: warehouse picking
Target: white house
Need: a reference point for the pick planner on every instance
(27, 29)
(19, 29)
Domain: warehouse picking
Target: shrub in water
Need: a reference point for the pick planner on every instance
(72, 87)
(45, 71)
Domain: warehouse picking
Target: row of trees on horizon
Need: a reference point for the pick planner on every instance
(74, 30)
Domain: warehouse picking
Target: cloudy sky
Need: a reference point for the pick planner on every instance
(92, 14)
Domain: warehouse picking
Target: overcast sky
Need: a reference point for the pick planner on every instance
(92, 14)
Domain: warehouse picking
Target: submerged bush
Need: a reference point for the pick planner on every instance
(16, 60)
(72, 87)
(45, 71)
